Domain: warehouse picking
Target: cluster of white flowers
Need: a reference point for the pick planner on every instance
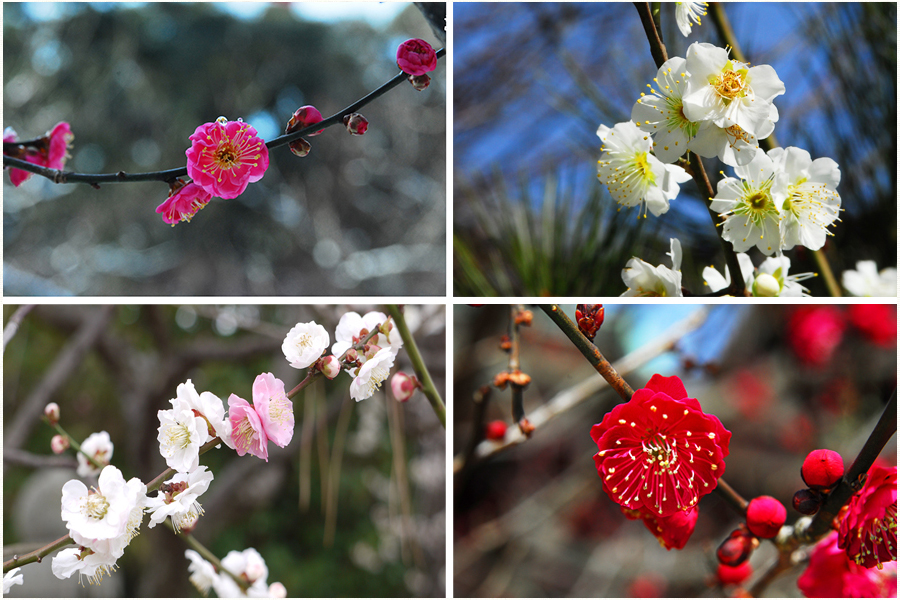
(770, 280)
(247, 565)
(305, 344)
(867, 281)
(193, 420)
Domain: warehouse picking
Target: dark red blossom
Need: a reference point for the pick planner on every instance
(814, 333)
(877, 322)
(868, 531)
(659, 450)
(830, 574)
(672, 531)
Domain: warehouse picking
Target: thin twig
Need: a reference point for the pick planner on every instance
(12, 326)
(58, 176)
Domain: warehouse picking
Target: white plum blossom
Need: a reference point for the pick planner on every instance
(770, 280)
(643, 279)
(752, 206)
(304, 344)
(177, 498)
(11, 578)
(729, 92)
(202, 572)
(732, 145)
(99, 447)
(89, 563)
(867, 281)
(633, 175)
(209, 406)
(660, 113)
(685, 12)
(247, 565)
(371, 375)
(351, 325)
(812, 203)
(181, 433)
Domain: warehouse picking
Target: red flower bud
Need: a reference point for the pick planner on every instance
(734, 575)
(589, 318)
(495, 430)
(765, 516)
(807, 502)
(737, 548)
(300, 147)
(420, 82)
(356, 124)
(302, 118)
(822, 469)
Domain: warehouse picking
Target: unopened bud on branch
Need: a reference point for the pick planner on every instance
(356, 124)
(51, 411)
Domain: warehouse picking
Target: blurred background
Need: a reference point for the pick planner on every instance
(354, 506)
(358, 216)
(532, 519)
(532, 82)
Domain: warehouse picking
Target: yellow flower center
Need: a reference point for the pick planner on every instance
(730, 84)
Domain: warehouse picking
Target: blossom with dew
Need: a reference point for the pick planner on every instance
(353, 328)
(247, 433)
(812, 204)
(304, 344)
(770, 280)
(181, 433)
(206, 405)
(50, 150)
(177, 498)
(830, 574)
(866, 280)
(633, 176)
(99, 447)
(868, 531)
(105, 518)
(672, 531)
(248, 566)
(814, 333)
(752, 206)
(371, 375)
(185, 200)
(89, 563)
(643, 279)
(685, 12)
(202, 572)
(275, 410)
(11, 578)
(403, 386)
(416, 57)
(729, 92)
(659, 451)
(225, 156)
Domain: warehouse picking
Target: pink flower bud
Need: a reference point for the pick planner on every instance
(734, 575)
(59, 444)
(420, 82)
(300, 147)
(371, 350)
(277, 590)
(765, 516)
(302, 118)
(356, 124)
(416, 57)
(352, 355)
(51, 411)
(403, 386)
(330, 366)
(495, 430)
(822, 469)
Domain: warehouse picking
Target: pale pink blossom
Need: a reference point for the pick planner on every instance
(99, 447)
(276, 413)
(59, 444)
(247, 433)
(416, 57)
(184, 201)
(225, 157)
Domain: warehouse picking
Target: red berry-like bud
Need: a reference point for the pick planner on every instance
(765, 516)
(807, 502)
(495, 430)
(734, 575)
(589, 318)
(736, 549)
(356, 124)
(822, 469)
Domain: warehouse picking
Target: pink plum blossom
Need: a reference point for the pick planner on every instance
(184, 201)
(276, 413)
(225, 157)
(416, 57)
(48, 151)
(247, 433)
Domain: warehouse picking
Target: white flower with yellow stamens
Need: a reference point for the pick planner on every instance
(685, 12)
(643, 279)
(304, 344)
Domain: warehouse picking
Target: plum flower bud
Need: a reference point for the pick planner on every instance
(371, 350)
(737, 547)
(302, 118)
(734, 575)
(807, 502)
(766, 286)
(59, 444)
(495, 430)
(589, 318)
(403, 386)
(277, 590)
(356, 124)
(416, 57)
(420, 82)
(765, 516)
(51, 411)
(330, 366)
(822, 469)
(300, 147)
